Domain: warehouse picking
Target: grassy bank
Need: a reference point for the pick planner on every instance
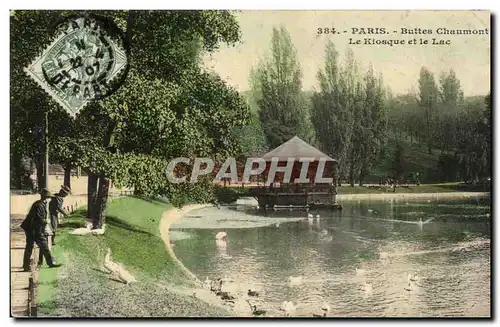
(422, 188)
(80, 288)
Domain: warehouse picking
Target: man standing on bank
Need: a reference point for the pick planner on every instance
(34, 227)
(56, 207)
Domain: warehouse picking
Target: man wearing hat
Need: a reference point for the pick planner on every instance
(34, 227)
(56, 207)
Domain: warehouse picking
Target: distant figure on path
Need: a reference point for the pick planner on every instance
(56, 207)
(34, 227)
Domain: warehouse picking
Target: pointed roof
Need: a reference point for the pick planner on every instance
(296, 148)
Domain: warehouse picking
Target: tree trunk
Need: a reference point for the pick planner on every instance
(102, 200)
(361, 177)
(351, 175)
(18, 170)
(91, 194)
(67, 175)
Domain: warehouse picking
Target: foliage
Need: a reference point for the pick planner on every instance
(283, 109)
(168, 106)
(349, 115)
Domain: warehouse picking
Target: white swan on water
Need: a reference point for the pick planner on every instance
(367, 288)
(288, 307)
(220, 235)
(295, 280)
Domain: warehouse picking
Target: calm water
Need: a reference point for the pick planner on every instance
(450, 252)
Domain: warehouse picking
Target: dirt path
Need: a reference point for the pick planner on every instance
(18, 278)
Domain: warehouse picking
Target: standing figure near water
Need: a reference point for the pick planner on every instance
(56, 207)
(34, 227)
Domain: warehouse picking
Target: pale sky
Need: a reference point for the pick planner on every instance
(468, 55)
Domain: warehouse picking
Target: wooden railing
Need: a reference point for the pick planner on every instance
(296, 189)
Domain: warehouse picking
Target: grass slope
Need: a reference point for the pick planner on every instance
(79, 288)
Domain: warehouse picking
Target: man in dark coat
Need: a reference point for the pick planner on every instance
(56, 207)
(34, 227)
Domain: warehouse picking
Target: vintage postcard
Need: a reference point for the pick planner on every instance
(271, 164)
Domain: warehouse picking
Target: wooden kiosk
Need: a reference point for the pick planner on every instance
(293, 194)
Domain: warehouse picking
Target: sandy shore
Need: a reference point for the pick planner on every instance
(168, 218)
(415, 196)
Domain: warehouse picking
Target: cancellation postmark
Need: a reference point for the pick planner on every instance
(85, 62)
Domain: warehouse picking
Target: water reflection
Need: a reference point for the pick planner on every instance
(449, 251)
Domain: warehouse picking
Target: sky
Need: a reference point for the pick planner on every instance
(467, 55)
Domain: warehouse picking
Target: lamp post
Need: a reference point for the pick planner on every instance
(46, 149)
(48, 227)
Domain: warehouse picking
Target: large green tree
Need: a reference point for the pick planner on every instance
(428, 100)
(283, 109)
(168, 106)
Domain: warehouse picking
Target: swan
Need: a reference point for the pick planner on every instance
(256, 312)
(412, 277)
(428, 201)
(319, 316)
(317, 217)
(252, 293)
(420, 222)
(277, 225)
(488, 215)
(81, 231)
(220, 243)
(295, 280)
(288, 307)
(216, 286)
(367, 288)
(310, 216)
(207, 283)
(370, 210)
(117, 269)
(220, 235)
(226, 296)
(98, 231)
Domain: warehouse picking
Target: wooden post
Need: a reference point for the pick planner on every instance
(46, 150)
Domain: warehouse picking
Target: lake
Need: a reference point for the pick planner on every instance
(357, 260)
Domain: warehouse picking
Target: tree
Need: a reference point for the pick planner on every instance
(282, 106)
(167, 107)
(450, 92)
(373, 124)
(399, 164)
(428, 96)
